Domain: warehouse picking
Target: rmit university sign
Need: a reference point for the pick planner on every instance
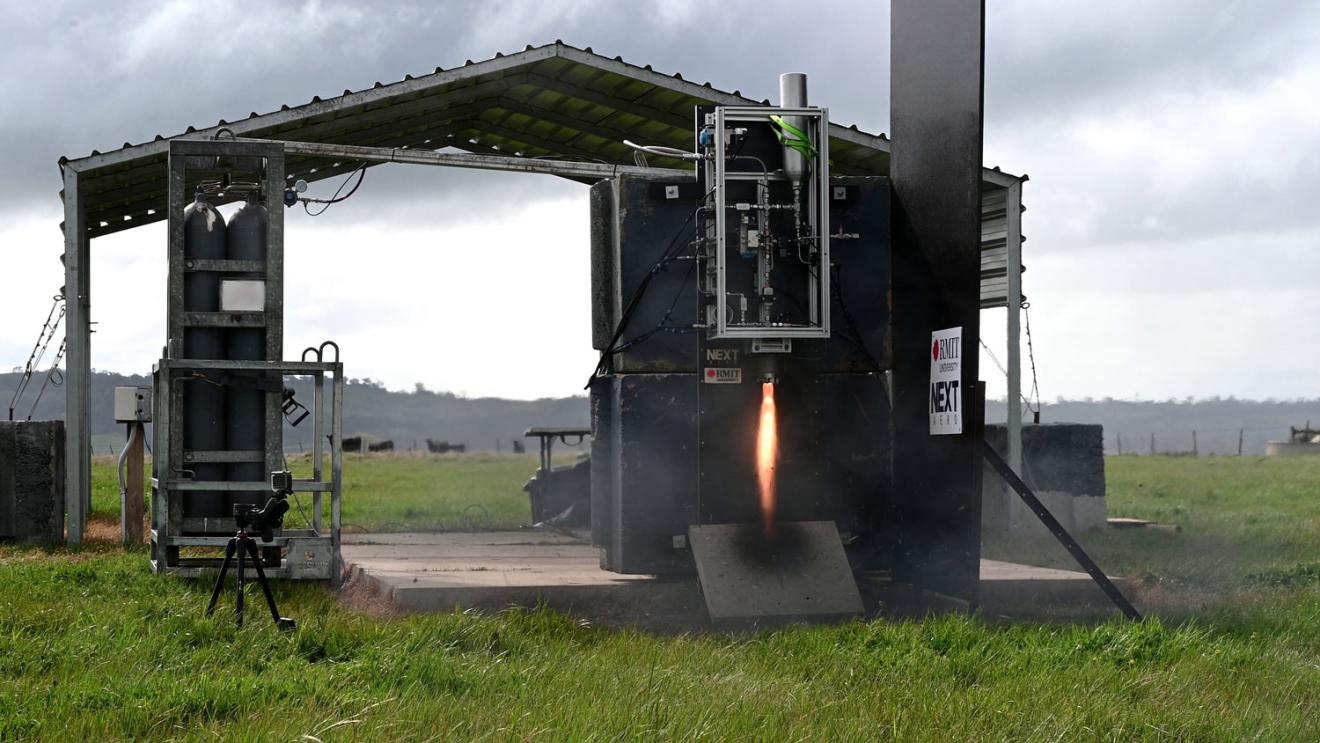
(946, 382)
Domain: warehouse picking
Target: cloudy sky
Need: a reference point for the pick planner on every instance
(1173, 148)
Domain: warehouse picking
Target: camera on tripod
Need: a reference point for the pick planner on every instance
(270, 516)
(264, 521)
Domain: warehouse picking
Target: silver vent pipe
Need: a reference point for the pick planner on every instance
(793, 94)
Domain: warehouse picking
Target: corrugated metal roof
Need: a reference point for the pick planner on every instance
(548, 101)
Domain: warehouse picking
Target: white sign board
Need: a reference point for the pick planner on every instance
(946, 408)
(723, 375)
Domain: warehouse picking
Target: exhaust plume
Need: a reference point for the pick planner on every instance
(767, 456)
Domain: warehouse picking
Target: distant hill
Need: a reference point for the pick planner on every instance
(369, 409)
(1216, 421)
(374, 411)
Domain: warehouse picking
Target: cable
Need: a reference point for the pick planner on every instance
(664, 319)
(134, 432)
(53, 377)
(44, 338)
(1031, 354)
(612, 347)
(848, 318)
(759, 161)
(296, 500)
(662, 151)
(636, 298)
(360, 172)
(1004, 370)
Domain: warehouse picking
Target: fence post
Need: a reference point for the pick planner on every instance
(1152, 443)
(131, 505)
(1239, 442)
(1195, 451)
(1120, 444)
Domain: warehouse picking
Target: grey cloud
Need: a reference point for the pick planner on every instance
(101, 74)
(1066, 59)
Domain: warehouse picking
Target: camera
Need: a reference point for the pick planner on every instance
(269, 517)
(264, 521)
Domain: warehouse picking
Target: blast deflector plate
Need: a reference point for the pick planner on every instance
(799, 572)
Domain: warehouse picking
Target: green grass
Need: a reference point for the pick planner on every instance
(401, 492)
(1245, 523)
(93, 647)
(435, 492)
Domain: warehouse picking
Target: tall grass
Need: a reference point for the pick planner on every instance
(94, 647)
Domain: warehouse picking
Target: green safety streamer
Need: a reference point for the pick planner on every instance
(793, 137)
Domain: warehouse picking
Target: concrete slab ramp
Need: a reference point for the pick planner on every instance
(799, 572)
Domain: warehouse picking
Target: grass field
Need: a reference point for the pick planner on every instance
(402, 492)
(94, 647)
(1245, 523)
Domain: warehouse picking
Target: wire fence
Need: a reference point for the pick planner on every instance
(1241, 441)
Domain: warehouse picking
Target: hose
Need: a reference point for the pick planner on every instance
(133, 432)
(661, 151)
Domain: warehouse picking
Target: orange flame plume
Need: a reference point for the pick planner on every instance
(767, 455)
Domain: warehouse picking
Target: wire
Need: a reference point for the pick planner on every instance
(662, 151)
(133, 433)
(664, 319)
(44, 338)
(612, 347)
(636, 298)
(1031, 354)
(852, 324)
(360, 172)
(759, 161)
(1004, 370)
(53, 378)
(296, 500)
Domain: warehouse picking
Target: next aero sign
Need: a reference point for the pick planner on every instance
(946, 381)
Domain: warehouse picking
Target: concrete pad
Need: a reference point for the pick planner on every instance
(1011, 589)
(799, 573)
(491, 571)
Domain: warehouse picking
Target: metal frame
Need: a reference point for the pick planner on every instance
(77, 379)
(170, 457)
(1013, 299)
(818, 214)
(565, 168)
(306, 553)
(106, 192)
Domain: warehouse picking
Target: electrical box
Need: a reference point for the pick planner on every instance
(132, 404)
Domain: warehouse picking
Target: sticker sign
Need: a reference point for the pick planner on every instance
(723, 375)
(946, 408)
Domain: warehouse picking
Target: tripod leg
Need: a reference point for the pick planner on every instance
(238, 606)
(220, 579)
(265, 588)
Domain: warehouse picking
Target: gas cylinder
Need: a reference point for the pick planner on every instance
(245, 406)
(204, 237)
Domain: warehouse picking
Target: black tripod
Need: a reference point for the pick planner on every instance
(244, 545)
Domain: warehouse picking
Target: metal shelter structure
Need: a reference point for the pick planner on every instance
(550, 109)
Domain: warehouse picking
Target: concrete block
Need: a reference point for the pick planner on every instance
(1090, 513)
(1064, 465)
(1060, 505)
(32, 481)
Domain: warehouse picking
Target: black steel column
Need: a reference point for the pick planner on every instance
(936, 80)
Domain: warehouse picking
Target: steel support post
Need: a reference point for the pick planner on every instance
(1013, 260)
(77, 338)
(935, 170)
